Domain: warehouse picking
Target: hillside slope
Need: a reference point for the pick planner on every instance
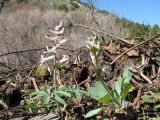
(23, 26)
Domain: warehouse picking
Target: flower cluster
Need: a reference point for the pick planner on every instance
(58, 39)
(94, 46)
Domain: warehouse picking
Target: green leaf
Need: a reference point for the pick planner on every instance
(61, 87)
(100, 74)
(49, 105)
(46, 99)
(95, 50)
(29, 92)
(155, 118)
(157, 95)
(64, 93)
(118, 85)
(38, 93)
(105, 99)
(157, 106)
(147, 99)
(104, 118)
(52, 94)
(127, 87)
(93, 113)
(31, 106)
(122, 104)
(49, 90)
(59, 99)
(127, 75)
(98, 91)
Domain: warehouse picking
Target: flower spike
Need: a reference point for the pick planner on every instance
(57, 32)
(58, 26)
(64, 58)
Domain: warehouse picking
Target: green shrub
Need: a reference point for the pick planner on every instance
(137, 29)
(42, 71)
(86, 4)
(63, 7)
(74, 5)
(75, 0)
(103, 12)
(47, 96)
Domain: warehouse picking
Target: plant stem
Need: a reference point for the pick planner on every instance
(110, 93)
(60, 112)
(54, 73)
(104, 85)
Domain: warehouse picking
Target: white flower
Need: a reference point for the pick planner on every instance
(58, 40)
(43, 59)
(95, 44)
(90, 44)
(52, 50)
(63, 40)
(64, 58)
(49, 70)
(52, 38)
(93, 58)
(57, 32)
(58, 26)
(47, 36)
(46, 50)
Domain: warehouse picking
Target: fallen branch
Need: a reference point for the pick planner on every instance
(141, 43)
(138, 97)
(21, 51)
(30, 50)
(139, 70)
(145, 77)
(101, 31)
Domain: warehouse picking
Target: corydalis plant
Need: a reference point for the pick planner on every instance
(58, 39)
(48, 96)
(94, 46)
(102, 92)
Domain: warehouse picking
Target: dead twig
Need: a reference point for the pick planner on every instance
(145, 77)
(21, 51)
(136, 100)
(139, 70)
(158, 74)
(83, 82)
(141, 43)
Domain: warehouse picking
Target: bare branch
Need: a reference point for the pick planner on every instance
(141, 43)
(101, 31)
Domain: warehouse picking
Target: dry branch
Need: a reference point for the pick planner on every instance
(21, 51)
(101, 31)
(141, 43)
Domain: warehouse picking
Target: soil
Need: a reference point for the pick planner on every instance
(15, 82)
